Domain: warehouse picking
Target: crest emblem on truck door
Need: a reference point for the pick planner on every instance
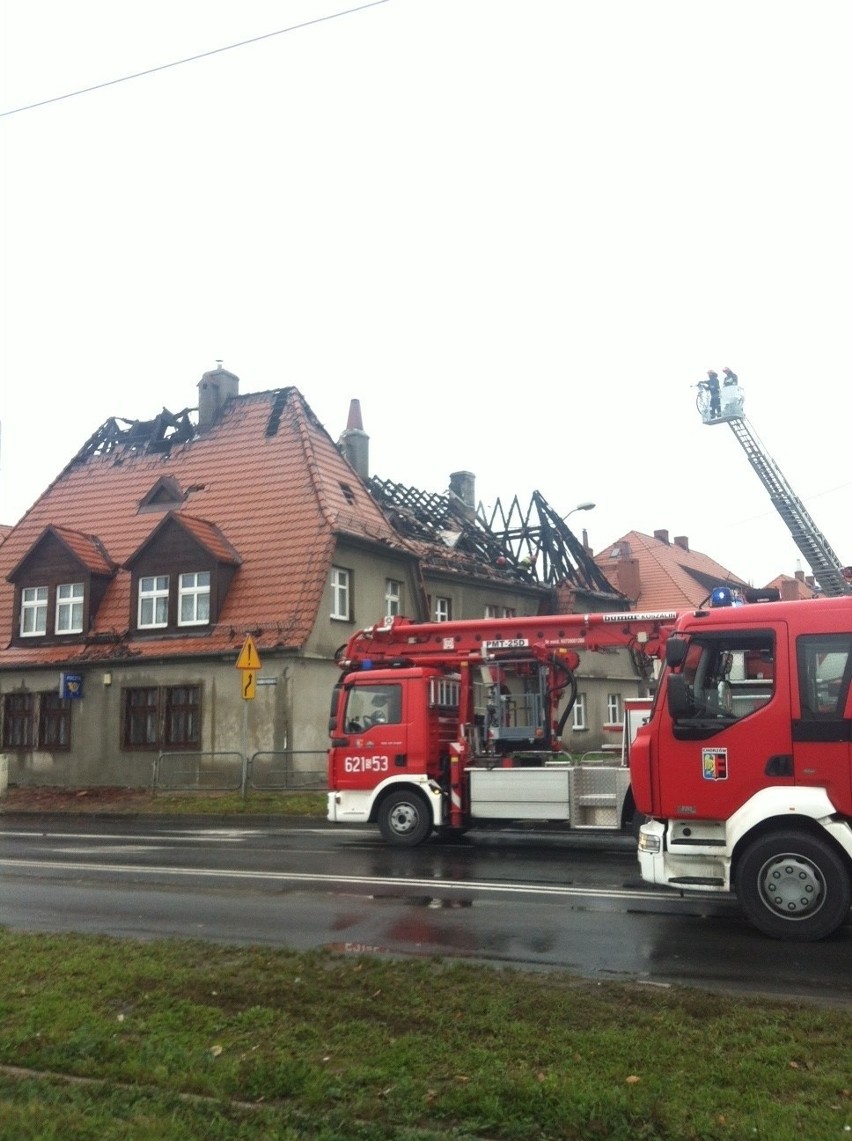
(714, 764)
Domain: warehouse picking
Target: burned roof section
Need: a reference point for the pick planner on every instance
(139, 436)
(538, 538)
(533, 546)
(444, 533)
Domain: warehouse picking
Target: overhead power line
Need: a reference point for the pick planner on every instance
(192, 58)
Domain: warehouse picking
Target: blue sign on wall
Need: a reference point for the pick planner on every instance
(70, 685)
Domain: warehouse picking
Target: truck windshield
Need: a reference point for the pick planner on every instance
(368, 705)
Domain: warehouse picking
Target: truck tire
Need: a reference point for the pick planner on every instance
(404, 819)
(793, 886)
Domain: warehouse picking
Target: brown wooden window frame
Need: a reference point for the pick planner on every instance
(36, 722)
(169, 717)
(19, 721)
(54, 722)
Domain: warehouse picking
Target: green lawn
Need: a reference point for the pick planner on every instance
(103, 1038)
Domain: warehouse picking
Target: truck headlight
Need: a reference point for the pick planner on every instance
(650, 843)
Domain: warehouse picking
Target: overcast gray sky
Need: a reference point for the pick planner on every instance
(518, 232)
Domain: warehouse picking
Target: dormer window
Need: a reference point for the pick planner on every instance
(69, 608)
(153, 602)
(74, 571)
(194, 598)
(33, 611)
(163, 496)
(200, 564)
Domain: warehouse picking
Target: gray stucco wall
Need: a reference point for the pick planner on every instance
(290, 714)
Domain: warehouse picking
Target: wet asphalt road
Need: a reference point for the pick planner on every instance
(529, 900)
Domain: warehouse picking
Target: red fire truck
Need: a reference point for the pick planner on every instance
(745, 765)
(742, 769)
(441, 725)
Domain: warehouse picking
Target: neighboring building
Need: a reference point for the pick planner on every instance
(799, 586)
(128, 590)
(655, 573)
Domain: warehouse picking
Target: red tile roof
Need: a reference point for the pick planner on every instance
(265, 481)
(656, 574)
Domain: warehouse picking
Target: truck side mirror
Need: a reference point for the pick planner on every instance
(335, 703)
(679, 699)
(676, 651)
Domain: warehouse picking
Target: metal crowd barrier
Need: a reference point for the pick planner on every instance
(265, 771)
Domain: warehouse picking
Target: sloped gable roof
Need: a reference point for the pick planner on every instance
(266, 475)
(668, 575)
(205, 534)
(86, 549)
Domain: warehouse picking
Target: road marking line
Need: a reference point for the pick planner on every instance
(432, 885)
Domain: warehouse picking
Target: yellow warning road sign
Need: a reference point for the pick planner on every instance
(249, 684)
(249, 658)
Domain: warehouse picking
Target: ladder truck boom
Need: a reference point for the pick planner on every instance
(721, 402)
(447, 643)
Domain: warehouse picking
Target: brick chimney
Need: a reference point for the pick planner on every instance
(627, 578)
(354, 442)
(214, 389)
(463, 491)
(663, 536)
(622, 570)
(682, 541)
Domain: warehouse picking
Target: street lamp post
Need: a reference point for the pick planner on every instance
(580, 507)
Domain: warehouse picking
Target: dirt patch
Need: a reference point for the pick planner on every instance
(75, 800)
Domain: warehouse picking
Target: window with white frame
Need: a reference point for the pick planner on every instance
(153, 601)
(443, 609)
(34, 610)
(579, 712)
(508, 612)
(194, 598)
(393, 598)
(341, 593)
(491, 610)
(614, 714)
(69, 608)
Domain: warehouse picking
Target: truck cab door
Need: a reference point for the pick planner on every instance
(822, 732)
(724, 730)
(370, 741)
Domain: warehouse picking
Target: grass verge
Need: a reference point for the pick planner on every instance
(103, 1038)
(124, 801)
(232, 804)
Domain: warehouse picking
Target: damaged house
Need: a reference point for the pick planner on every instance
(128, 590)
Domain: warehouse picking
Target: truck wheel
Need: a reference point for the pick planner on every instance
(404, 819)
(793, 886)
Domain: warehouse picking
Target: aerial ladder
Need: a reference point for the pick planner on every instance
(720, 401)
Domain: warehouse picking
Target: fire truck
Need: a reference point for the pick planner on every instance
(745, 765)
(740, 768)
(443, 725)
